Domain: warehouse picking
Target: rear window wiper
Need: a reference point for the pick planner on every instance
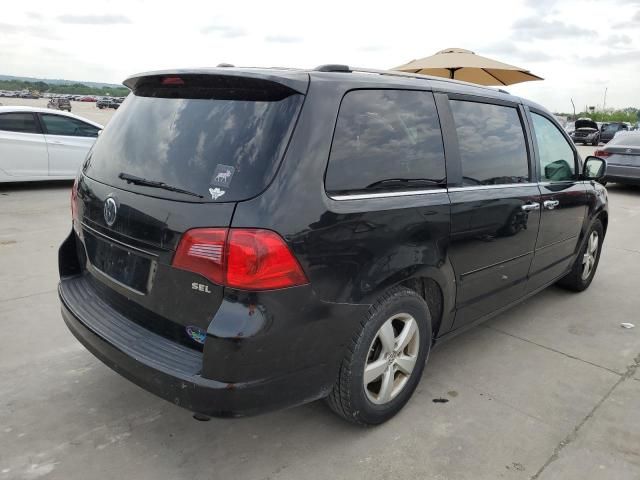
(406, 182)
(155, 184)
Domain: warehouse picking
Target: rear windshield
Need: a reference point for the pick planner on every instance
(222, 144)
(629, 140)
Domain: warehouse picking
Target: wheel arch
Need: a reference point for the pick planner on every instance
(436, 286)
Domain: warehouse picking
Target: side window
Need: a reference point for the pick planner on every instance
(60, 125)
(23, 122)
(386, 140)
(557, 161)
(492, 143)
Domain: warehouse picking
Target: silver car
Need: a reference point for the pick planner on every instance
(622, 154)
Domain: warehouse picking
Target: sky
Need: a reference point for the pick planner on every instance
(579, 47)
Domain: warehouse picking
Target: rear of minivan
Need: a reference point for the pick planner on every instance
(154, 281)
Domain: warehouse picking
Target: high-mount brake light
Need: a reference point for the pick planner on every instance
(172, 81)
(242, 258)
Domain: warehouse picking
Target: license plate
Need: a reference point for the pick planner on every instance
(123, 265)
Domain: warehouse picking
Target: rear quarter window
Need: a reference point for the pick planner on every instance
(386, 140)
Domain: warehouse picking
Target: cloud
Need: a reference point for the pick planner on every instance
(618, 41)
(34, 15)
(633, 23)
(372, 48)
(511, 50)
(27, 30)
(536, 28)
(282, 39)
(93, 19)
(615, 58)
(224, 31)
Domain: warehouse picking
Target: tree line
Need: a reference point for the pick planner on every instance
(71, 89)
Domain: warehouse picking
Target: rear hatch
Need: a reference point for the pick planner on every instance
(624, 149)
(178, 154)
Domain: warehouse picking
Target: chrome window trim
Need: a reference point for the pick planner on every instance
(404, 193)
(492, 187)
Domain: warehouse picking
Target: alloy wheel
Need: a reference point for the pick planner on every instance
(590, 255)
(391, 358)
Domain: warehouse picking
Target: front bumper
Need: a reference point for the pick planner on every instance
(178, 373)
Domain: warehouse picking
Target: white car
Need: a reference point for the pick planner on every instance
(43, 144)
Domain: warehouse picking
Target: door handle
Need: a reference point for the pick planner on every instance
(551, 204)
(527, 207)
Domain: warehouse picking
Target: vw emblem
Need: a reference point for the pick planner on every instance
(110, 211)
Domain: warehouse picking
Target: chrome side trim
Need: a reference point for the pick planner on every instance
(367, 196)
(492, 187)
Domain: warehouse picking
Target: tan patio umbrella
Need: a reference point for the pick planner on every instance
(467, 66)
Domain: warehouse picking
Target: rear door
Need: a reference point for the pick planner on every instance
(23, 150)
(563, 197)
(495, 205)
(68, 141)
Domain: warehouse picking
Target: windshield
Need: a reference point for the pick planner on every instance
(202, 145)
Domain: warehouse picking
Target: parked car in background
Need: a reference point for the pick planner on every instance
(622, 154)
(332, 226)
(586, 132)
(59, 104)
(107, 102)
(88, 98)
(611, 129)
(43, 144)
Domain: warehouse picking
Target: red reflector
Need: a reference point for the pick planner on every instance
(247, 259)
(74, 198)
(602, 153)
(172, 81)
(202, 251)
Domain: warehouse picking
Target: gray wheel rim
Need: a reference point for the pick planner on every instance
(391, 358)
(590, 255)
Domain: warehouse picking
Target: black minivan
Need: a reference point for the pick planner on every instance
(245, 240)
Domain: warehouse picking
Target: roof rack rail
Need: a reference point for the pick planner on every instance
(225, 65)
(394, 73)
(333, 67)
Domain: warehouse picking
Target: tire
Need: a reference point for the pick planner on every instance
(577, 280)
(362, 404)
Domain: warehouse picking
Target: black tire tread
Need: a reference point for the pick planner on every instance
(573, 280)
(339, 400)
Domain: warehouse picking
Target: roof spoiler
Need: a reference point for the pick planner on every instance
(292, 80)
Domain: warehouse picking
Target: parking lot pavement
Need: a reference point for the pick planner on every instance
(547, 390)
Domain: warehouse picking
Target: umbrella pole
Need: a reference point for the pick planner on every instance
(452, 72)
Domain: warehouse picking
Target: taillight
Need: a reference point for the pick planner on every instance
(602, 153)
(202, 251)
(74, 198)
(247, 259)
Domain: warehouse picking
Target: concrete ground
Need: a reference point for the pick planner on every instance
(548, 390)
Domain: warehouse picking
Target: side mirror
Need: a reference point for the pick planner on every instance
(595, 168)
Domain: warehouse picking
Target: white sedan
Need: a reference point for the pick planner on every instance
(43, 144)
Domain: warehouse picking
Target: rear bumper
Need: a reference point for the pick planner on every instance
(179, 374)
(623, 174)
